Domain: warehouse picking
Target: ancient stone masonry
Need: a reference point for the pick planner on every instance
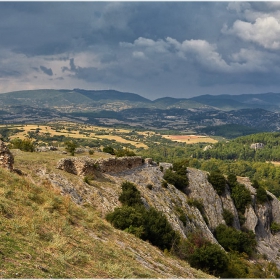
(6, 157)
(85, 165)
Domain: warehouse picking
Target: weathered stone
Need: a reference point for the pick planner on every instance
(45, 149)
(275, 204)
(85, 165)
(6, 157)
(257, 146)
(251, 219)
(202, 190)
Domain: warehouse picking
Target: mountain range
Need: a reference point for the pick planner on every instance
(259, 112)
(54, 98)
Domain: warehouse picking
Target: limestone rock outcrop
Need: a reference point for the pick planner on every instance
(173, 202)
(6, 157)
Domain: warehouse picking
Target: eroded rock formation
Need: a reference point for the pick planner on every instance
(6, 157)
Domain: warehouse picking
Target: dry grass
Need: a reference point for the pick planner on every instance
(46, 235)
(190, 139)
(276, 163)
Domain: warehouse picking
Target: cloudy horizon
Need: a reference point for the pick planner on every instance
(154, 49)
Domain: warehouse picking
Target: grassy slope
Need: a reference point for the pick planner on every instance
(46, 235)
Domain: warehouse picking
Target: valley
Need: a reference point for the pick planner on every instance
(201, 170)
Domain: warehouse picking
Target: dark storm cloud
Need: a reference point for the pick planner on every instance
(46, 70)
(151, 48)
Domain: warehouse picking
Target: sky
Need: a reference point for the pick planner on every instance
(154, 49)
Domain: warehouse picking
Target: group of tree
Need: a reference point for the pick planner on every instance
(26, 144)
(119, 152)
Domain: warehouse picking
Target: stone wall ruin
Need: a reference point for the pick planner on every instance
(85, 165)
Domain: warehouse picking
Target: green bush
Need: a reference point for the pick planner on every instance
(234, 240)
(228, 217)
(126, 216)
(158, 230)
(241, 197)
(124, 153)
(232, 180)
(26, 145)
(261, 195)
(274, 227)
(149, 224)
(180, 167)
(70, 146)
(209, 258)
(218, 181)
(179, 181)
(109, 150)
(130, 196)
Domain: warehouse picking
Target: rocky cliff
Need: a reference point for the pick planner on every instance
(103, 189)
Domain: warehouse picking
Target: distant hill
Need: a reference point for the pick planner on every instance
(96, 100)
(267, 101)
(111, 95)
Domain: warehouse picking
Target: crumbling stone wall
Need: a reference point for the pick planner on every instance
(6, 157)
(85, 165)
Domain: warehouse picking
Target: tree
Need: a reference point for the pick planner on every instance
(218, 181)
(70, 146)
(109, 150)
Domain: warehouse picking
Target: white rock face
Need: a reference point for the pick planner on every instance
(251, 219)
(171, 201)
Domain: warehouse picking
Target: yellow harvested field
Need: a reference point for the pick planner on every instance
(276, 163)
(76, 134)
(190, 139)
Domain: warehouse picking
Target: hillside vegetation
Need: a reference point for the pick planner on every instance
(46, 235)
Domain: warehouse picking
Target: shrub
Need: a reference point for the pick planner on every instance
(70, 146)
(210, 258)
(109, 150)
(180, 167)
(130, 196)
(261, 195)
(234, 240)
(25, 145)
(179, 181)
(228, 217)
(164, 184)
(91, 152)
(274, 227)
(126, 216)
(255, 184)
(241, 197)
(124, 153)
(218, 181)
(158, 230)
(149, 224)
(232, 180)
(181, 215)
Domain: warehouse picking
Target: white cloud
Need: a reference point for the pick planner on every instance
(264, 31)
(138, 55)
(199, 51)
